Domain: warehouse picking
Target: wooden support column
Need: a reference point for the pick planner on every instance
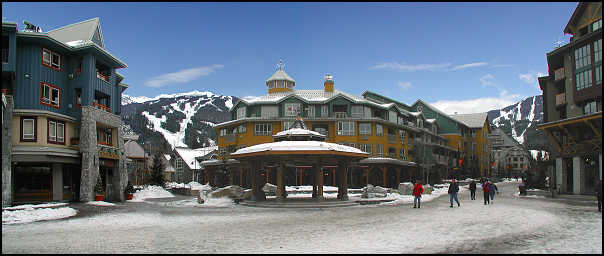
(342, 181)
(231, 172)
(314, 180)
(320, 183)
(241, 177)
(257, 182)
(383, 176)
(280, 183)
(333, 173)
(366, 176)
(398, 177)
(301, 175)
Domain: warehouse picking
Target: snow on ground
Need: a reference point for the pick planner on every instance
(150, 192)
(31, 214)
(34, 206)
(100, 203)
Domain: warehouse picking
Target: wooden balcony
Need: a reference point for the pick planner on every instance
(561, 99)
(102, 77)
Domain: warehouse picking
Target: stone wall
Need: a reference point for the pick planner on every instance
(7, 194)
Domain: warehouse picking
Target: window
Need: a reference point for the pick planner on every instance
(310, 111)
(592, 107)
(263, 129)
(366, 148)
(324, 111)
(28, 129)
(379, 130)
(598, 51)
(583, 79)
(357, 111)
(269, 111)
(402, 134)
(582, 57)
(402, 156)
(596, 25)
(292, 109)
(350, 144)
(56, 132)
(322, 130)
(51, 59)
(50, 95)
(241, 112)
(223, 132)
(346, 128)
(78, 99)
(242, 128)
(380, 150)
(287, 125)
(364, 129)
(598, 75)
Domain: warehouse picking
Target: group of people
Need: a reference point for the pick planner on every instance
(488, 188)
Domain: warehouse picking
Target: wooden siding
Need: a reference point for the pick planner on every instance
(12, 46)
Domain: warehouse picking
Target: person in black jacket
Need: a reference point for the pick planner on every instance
(472, 190)
(453, 189)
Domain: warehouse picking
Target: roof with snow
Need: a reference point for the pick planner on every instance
(386, 160)
(299, 147)
(475, 120)
(280, 75)
(133, 150)
(81, 31)
(298, 131)
(188, 155)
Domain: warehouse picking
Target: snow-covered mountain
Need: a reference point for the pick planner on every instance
(177, 120)
(520, 121)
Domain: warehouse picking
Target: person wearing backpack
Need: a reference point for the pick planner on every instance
(485, 192)
(453, 189)
(472, 190)
(418, 189)
(492, 190)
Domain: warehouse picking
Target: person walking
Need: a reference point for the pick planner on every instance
(453, 189)
(492, 190)
(472, 190)
(599, 195)
(418, 189)
(485, 192)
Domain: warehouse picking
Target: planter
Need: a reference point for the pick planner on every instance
(100, 197)
(129, 196)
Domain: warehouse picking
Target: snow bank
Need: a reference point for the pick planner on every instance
(31, 214)
(34, 206)
(197, 186)
(100, 203)
(150, 192)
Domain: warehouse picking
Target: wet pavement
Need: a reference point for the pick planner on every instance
(510, 225)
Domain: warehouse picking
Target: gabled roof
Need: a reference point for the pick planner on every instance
(189, 155)
(81, 31)
(475, 120)
(280, 75)
(133, 150)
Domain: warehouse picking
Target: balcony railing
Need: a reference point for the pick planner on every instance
(561, 99)
(559, 74)
(102, 107)
(340, 114)
(102, 77)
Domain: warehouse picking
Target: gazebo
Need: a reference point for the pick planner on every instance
(298, 146)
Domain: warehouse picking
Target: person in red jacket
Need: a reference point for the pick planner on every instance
(418, 189)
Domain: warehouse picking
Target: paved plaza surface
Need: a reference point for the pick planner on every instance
(511, 224)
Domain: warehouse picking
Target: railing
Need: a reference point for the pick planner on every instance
(230, 138)
(100, 142)
(102, 107)
(74, 141)
(559, 74)
(102, 77)
(561, 99)
(340, 114)
(4, 55)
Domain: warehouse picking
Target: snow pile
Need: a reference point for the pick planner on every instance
(100, 203)
(34, 206)
(150, 192)
(31, 214)
(309, 189)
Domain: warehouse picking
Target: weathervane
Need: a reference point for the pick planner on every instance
(280, 65)
(558, 43)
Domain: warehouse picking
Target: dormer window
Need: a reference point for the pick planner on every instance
(51, 59)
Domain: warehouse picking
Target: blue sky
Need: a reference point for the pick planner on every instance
(464, 57)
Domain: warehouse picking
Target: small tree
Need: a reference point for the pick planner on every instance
(98, 188)
(157, 170)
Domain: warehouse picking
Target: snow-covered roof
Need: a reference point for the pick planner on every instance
(188, 155)
(430, 120)
(475, 120)
(292, 146)
(298, 131)
(213, 162)
(386, 160)
(280, 75)
(133, 150)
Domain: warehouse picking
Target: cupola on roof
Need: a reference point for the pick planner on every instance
(280, 75)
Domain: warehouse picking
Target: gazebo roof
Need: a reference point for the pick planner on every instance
(385, 160)
(298, 132)
(299, 148)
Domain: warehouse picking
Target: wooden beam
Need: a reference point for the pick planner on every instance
(280, 184)
(556, 142)
(570, 136)
(593, 129)
(569, 122)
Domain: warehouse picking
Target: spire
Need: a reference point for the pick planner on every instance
(280, 65)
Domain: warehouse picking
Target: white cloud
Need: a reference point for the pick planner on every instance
(531, 78)
(487, 80)
(501, 65)
(404, 85)
(182, 76)
(470, 65)
(477, 105)
(410, 68)
(250, 97)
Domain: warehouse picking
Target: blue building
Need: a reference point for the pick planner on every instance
(61, 99)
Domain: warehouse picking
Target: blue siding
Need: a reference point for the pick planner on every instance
(12, 46)
(97, 38)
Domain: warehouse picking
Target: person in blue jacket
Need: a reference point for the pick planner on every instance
(453, 189)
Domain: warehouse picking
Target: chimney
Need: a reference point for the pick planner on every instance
(328, 84)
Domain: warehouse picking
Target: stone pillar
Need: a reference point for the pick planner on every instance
(600, 165)
(121, 178)
(7, 123)
(255, 174)
(57, 181)
(280, 183)
(319, 181)
(577, 175)
(560, 180)
(90, 155)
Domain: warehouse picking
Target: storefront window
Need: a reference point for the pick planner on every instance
(33, 183)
